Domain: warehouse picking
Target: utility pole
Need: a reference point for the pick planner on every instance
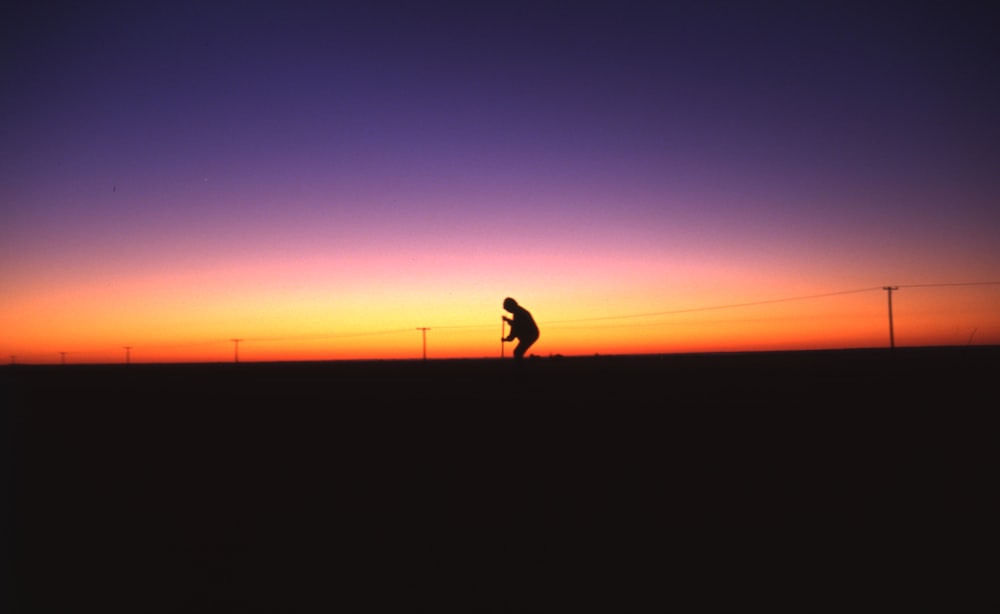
(236, 349)
(892, 335)
(424, 329)
(503, 334)
(128, 354)
(62, 356)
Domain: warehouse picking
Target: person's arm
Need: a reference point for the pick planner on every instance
(511, 336)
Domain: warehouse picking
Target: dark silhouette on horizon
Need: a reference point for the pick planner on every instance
(522, 328)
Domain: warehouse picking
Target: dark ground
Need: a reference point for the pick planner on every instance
(799, 480)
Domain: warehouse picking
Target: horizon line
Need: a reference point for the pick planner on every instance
(551, 356)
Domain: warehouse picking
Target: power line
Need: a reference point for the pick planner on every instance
(716, 307)
(317, 336)
(972, 283)
(465, 326)
(162, 346)
(767, 302)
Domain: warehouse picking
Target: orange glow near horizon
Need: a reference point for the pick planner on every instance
(382, 324)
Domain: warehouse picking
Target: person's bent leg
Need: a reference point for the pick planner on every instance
(526, 343)
(519, 352)
(522, 348)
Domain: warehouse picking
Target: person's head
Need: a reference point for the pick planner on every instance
(509, 304)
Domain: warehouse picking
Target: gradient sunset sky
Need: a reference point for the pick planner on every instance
(319, 179)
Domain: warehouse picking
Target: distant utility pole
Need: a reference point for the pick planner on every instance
(128, 354)
(236, 349)
(892, 335)
(503, 334)
(424, 329)
(62, 356)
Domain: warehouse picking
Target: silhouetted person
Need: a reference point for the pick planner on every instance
(522, 328)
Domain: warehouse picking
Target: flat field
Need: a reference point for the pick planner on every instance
(609, 483)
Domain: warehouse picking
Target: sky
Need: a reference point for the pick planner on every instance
(320, 179)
